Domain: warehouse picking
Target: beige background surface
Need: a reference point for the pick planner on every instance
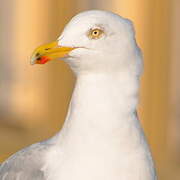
(34, 99)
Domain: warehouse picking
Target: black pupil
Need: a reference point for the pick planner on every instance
(95, 32)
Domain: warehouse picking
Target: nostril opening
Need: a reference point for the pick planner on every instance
(47, 49)
(37, 54)
(39, 58)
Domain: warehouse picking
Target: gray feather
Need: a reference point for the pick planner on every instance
(26, 164)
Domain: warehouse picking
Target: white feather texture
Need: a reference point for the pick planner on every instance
(102, 138)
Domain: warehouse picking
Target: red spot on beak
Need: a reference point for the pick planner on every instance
(43, 60)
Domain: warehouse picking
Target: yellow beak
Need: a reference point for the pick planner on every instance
(50, 51)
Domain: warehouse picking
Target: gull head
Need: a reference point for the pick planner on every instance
(94, 41)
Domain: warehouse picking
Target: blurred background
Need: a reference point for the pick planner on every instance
(34, 99)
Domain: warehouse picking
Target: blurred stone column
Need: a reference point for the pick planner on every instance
(174, 124)
(6, 39)
(25, 88)
(27, 84)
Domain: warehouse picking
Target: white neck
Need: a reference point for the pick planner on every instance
(102, 118)
(102, 102)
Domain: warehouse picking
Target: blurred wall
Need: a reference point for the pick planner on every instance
(34, 99)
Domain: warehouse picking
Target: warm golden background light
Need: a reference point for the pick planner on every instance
(34, 99)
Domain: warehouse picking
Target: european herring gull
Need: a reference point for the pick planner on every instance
(102, 138)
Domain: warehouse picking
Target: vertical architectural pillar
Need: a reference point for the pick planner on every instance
(174, 123)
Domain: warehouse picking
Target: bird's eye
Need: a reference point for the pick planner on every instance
(95, 33)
